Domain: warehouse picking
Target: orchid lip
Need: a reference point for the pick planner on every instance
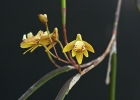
(79, 46)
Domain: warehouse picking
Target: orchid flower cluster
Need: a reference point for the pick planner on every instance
(48, 40)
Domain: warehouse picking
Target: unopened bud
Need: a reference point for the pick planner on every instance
(43, 18)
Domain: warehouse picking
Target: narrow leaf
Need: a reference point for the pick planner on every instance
(44, 79)
(111, 72)
(112, 85)
(67, 87)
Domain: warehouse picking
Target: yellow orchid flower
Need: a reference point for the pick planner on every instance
(49, 39)
(31, 41)
(42, 38)
(79, 47)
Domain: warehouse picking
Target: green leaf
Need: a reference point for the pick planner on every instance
(45, 79)
(112, 85)
(67, 87)
(111, 72)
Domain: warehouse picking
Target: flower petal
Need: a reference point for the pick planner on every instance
(30, 35)
(88, 47)
(38, 35)
(45, 40)
(55, 33)
(79, 37)
(79, 57)
(86, 53)
(73, 53)
(69, 46)
(26, 45)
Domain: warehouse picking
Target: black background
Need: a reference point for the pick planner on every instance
(94, 20)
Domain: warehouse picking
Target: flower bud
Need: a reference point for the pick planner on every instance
(43, 18)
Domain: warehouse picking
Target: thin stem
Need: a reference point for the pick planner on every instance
(73, 63)
(79, 68)
(49, 55)
(55, 56)
(63, 7)
(52, 60)
(99, 59)
(72, 60)
(113, 38)
(47, 28)
(59, 42)
(53, 46)
(46, 24)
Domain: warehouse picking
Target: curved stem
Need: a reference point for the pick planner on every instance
(47, 28)
(53, 60)
(108, 49)
(53, 46)
(70, 60)
(62, 49)
(55, 56)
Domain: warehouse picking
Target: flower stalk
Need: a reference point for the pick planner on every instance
(63, 7)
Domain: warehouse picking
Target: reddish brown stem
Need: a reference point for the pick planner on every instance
(55, 64)
(65, 35)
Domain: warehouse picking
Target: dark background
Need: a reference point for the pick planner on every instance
(94, 20)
